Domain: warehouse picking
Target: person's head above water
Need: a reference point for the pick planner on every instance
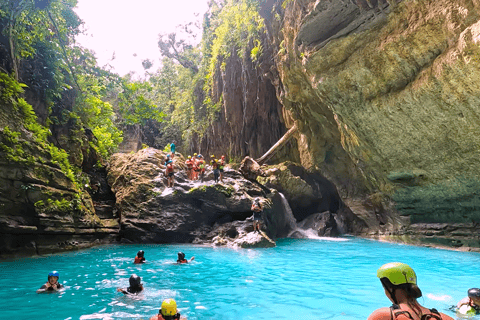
(169, 309)
(474, 295)
(181, 256)
(397, 275)
(135, 281)
(53, 277)
(141, 253)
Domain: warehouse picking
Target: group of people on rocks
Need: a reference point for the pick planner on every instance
(168, 310)
(196, 167)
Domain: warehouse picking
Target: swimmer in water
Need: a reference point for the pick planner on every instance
(140, 258)
(135, 285)
(470, 304)
(181, 258)
(400, 284)
(52, 284)
(168, 311)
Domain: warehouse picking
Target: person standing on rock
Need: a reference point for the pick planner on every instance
(169, 173)
(189, 163)
(216, 171)
(201, 167)
(172, 148)
(257, 209)
(221, 165)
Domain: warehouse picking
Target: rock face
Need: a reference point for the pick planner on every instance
(42, 209)
(386, 99)
(197, 212)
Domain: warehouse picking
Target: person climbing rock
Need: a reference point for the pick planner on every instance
(169, 173)
(195, 167)
(167, 158)
(257, 209)
(52, 284)
(172, 148)
(400, 284)
(470, 305)
(221, 166)
(189, 163)
(135, 285)
(168, 311)
(140, 258)
(181, 258)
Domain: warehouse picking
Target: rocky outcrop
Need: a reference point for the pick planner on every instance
(385, 96)
(207, 213)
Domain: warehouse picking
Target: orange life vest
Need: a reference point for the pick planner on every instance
(169, 168)
(138, 260)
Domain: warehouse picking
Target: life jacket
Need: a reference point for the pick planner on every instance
(201, 165)
(214, 164)
(138, 259)
(189, 164)
(222, 164)
(182, 261)
(398, 314)
(169, 168)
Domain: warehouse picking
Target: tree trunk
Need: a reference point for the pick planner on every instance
(283, 140)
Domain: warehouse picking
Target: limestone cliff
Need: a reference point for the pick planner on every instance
(386, 99)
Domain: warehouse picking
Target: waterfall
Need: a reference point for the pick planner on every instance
(292, 222)
(299, 232)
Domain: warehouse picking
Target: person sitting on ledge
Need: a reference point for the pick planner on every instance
(140, 258)
(135, 285)
(400, 284)
(470, 305)
(181, 258)
(52, 284)
(168, 311)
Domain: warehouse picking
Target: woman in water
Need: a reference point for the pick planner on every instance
(135, 285)
(52, 284)
(400, 284)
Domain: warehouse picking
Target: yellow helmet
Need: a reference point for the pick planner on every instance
(212, 156)
(169, 307)
(189, 157)
(397, 273)
(194, 154)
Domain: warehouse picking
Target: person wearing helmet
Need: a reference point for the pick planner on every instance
(189, 163)
(181, 258)
(201, 167)
(168, 311)
(221, 165)
(257, 209)
(470, 305)
(214, 163)
(52, 284)
(400, 284)
(169, 173)
(135, 285)
(140, 258)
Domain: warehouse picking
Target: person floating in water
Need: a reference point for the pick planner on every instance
(400, 284)
(168, 311)
(181, 258)
(52, 284)
(169, 173)
(221, 165)
(140, 258)
(257, 209)
(470, 305)
(135, 285)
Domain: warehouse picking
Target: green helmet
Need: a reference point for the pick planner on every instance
(397, 273)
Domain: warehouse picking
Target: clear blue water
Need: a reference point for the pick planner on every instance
(299, 279)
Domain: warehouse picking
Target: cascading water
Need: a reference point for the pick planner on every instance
(295, 231)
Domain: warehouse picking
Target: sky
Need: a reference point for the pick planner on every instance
(131, 27)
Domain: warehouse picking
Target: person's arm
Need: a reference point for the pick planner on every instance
(192, 258)
(124, 291)
(43, 288)
(465, 300)
(381, 314)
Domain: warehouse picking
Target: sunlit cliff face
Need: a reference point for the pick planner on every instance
(387, 98)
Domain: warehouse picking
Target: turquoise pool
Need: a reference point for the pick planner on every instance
(299, 279)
